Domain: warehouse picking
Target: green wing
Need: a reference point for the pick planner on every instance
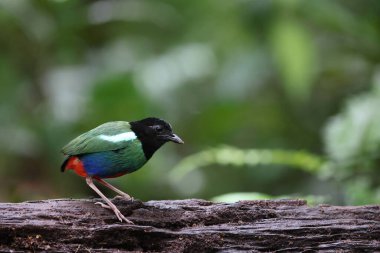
(109, 136)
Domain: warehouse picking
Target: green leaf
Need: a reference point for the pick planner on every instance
(353, 136)
(294, 54)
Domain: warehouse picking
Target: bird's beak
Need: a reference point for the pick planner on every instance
(174, 138)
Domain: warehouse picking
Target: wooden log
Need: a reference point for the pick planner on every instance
(65, 225)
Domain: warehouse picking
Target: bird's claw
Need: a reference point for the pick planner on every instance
(121, 217)
(103, 205)
(117, 212)
(126, 196)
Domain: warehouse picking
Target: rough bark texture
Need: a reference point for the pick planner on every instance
(188, 226)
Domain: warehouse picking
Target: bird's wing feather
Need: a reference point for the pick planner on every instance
(109, 136)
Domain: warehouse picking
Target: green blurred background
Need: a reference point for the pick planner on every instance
(272, 98)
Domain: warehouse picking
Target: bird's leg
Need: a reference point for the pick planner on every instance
(111, 206)
(121, 193)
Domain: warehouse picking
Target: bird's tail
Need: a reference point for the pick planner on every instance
(63, 166)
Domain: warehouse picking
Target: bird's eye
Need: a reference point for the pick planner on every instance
(158, 129)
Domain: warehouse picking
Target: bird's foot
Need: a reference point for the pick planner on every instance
(124, 196)
(117, 212)
(120, 216)
(103, 205)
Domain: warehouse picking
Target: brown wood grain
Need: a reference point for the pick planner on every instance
(192, 225)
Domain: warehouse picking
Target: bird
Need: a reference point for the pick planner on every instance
(114, 149)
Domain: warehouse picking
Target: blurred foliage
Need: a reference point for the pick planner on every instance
(261, 76)
(230, 156)
(353, 145)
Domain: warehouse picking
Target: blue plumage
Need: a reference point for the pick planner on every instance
(103, 164)
(109, 164)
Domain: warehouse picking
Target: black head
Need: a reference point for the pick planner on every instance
(153, 133)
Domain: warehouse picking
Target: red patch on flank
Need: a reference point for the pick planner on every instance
(76, 164)
(117, 175)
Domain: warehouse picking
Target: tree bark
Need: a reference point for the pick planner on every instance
(66, 225)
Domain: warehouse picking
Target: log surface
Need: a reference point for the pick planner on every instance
(65, 225)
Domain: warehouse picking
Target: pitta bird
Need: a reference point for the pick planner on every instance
(114, 149)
